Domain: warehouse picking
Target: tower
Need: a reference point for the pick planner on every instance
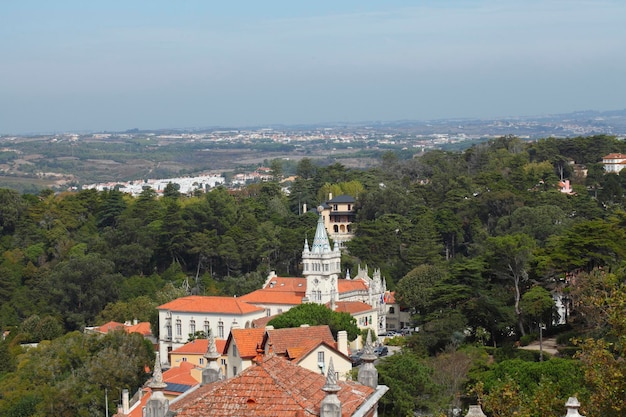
(322, 265)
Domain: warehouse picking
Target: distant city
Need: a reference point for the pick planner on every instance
(198, 159)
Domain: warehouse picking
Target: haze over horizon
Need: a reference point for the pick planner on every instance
(116, 65)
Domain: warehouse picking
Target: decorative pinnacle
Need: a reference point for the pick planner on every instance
(368, 349)
(211, 352)
(331, 385)
(157, 376)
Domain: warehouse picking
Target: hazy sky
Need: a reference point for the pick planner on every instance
(113, 65)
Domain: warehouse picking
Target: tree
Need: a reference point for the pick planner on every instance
(314, 315)
(538, 306)
(509, 257)
(417, 288)
(411, 387)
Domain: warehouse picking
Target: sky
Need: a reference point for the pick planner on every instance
(113, 65)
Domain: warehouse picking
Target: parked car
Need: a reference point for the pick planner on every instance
(391, 333)
(355, 358)
(381, 350)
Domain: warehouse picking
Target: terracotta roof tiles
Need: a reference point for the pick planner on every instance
(283, 339)
(352, 307)
(210, 304)
(246, 341)
(274, 387)
(199, 346)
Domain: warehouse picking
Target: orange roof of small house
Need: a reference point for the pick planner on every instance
(180, 375)
(292, 337)
(273, 387)
(352, 307)
(112, 325)
(210, 304)
(246, 340)
(298, 353)
(349, 285)
(267, 296)
(200, 346)
(142, 328)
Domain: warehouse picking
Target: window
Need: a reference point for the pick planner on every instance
(168, 328)
(349, 207)
(206, 328)
(201, 361)
(184, 359)
(335, 207)
(306, 266)
(220, 329)
(234, 370)
(192, 327)
(320, 357)
(179, 328)
(392, 310)
(336, 228)
(235, 350)
(223, 362)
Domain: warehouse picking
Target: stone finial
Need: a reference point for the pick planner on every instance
(211, 352)
(212, 372)
(331, 379)
(368, 349)
(157, 405)
(475, 411)
(368, 374)
(572, 406)
(330, 405)
(157, 375)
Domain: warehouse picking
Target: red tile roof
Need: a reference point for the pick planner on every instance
(349, 285)
(274, 387)
(180, 374)
(268, 296)
(246, 341)
(112, 325)
(289, 284)
(208, 304)
(293, 337)
(199, 347)
(142, 328)
(352, 307)
(615, 156)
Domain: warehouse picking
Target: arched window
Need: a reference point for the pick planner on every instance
(179, 328)
(336, 228)
(192, 327)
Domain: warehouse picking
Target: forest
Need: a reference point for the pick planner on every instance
(475, 243)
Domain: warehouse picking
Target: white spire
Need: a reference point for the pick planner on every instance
(320, 241)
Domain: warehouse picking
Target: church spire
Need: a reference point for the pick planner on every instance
(320, 241)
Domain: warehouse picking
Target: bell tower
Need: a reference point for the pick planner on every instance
(321, 265)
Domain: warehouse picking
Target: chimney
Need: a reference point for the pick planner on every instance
(125, 402)
(330, 196)
(303, 208)
(342, 342)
